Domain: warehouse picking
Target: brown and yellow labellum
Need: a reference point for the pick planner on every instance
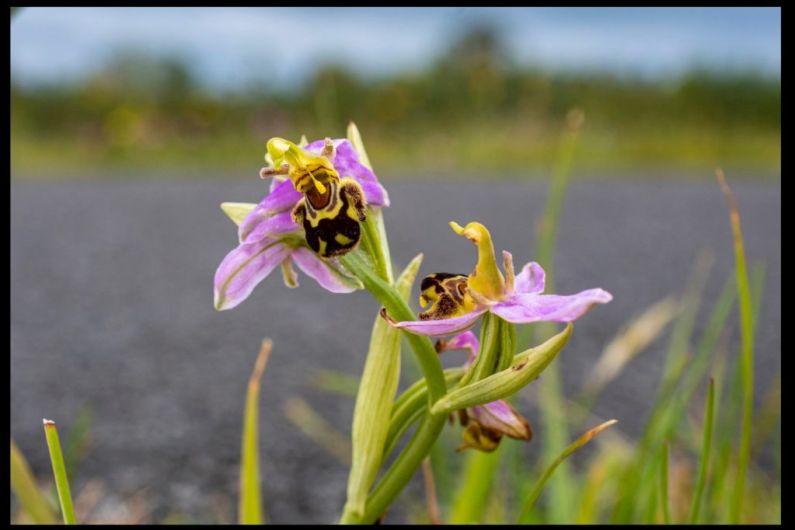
(448, 295)
(331, 218)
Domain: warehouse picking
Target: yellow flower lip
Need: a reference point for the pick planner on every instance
(306, 170)
(486, 280)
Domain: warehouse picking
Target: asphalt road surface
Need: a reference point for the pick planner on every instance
(111, 308)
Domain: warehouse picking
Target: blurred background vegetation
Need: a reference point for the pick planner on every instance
(471, 112)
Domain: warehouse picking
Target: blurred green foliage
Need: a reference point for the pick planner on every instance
(471, 112)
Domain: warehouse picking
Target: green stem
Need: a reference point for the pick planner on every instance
(406, 464)
(398, 309)
(490, 342)
(375, 234)
(409, 406)
(507, 344)
(419, 446)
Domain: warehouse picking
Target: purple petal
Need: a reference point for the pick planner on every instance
(243, 268)
(502, 417)
(324, 272)
(530, 280)
(278, 181)
(375, 194)
(526, 308)
(281, 223)
(464, 341)
(436, 328)
(282, 198)
(346, 162)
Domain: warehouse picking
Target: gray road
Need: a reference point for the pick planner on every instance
(111, 306)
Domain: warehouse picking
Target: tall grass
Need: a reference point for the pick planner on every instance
(59, 471)
(250, 500)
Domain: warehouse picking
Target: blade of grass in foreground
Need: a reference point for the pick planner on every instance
(250, 504)
(581, 441)
(747, 356)
(30, 497)
(664, 484)
(59, 470)
(704, 465)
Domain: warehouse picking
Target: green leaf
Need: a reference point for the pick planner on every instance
(356, 140)
(250, 502)
(59, 471)
(747, 357)
(664, 483)
(371, 413)
(705, 452)
(526, 367)
(581, 441)
(409, 407)
(24, 486)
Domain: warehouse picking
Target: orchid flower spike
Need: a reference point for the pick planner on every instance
(485, 425)
(319, 193)
(457, 301)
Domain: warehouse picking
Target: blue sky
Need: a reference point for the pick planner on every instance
(228, 47)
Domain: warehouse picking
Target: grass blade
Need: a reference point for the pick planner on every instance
(664, 484)
(24, 486)
(250, 503)
(578, 443)
(59, 471)
(747, 355)
(704, 465)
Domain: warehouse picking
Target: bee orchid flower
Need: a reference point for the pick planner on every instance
(457, 300)
(271, 234)
(485, 425)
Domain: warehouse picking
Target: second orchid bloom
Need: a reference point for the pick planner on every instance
(457, 301)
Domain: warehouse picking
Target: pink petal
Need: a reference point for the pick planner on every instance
(530, 280)
(464, 341)
(283, 198)
(325, 272)
(243, 268)
(502, 417)
(436, 328)
(526, 308)
(346, 162)
(281, 223)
